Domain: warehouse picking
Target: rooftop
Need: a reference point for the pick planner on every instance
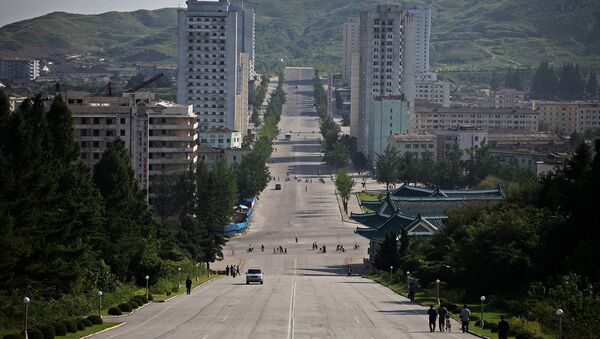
(414, 137)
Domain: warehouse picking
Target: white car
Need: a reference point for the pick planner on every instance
(254, 274)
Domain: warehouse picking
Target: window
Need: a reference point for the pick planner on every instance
(96, 156)
(122, 132)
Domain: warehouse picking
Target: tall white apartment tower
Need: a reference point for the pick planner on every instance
(423, 20)
(350, 36)
(209, 44)
(387, 60)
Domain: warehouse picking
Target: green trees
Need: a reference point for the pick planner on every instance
(387, 254)
(591, 87)
(571, 85)
(545, 82)
(252, 175)
(344, 184)
(320, 95)
(386, 166)
(513, 79)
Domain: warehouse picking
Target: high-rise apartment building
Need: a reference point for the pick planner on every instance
(387, 62)
(160, 136)
(350, 35)
(212, 71)
(423, 31)
(18, 69)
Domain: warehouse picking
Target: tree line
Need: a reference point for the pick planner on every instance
(534, 252)
(570, 82)
(480, 169)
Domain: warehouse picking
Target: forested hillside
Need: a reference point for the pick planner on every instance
(466, 33)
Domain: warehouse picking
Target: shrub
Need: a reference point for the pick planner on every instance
(144, 299)
(150, 296)
(87, 322)
(80, 324)
(59, 328)
(474, 318)
(525, 329)
(450, 307)
(34, 333)
(133, 304)
(125, 307)
(71, 325)
(95, 319)
(175, 289)
(114, 311)
(168, 293)
(141, 300)
(13, 336)
(48, 331)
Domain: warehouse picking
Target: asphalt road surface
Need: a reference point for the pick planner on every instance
(306, 294)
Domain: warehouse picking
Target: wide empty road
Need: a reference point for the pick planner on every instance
(306, 294)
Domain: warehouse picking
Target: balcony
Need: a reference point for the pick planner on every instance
(173, 138)
(173, 149)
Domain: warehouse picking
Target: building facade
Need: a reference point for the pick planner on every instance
(17, 69)
(209, 52)
(430, 89)
(507, 98)
(388, 115)
(433, 117)
(418, 145)
(161, 137)
(423, 32)
(354, 94)
(566, 117)
(350, 31)
(387, 61)
(220, 138)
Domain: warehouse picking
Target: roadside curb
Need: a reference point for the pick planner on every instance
(344, 216)
(104, 330)
(128, 314)
(478, 335)
(204, 283)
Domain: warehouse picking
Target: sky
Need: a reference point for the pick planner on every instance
(17, 10)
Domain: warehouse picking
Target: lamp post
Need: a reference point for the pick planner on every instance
(559, 314)
(147, 278)
(482, 301)
(179, 279)
(408, 284)
(26, 301)
(437, 281)
(391, 271)
(197, 271)
(100, 304)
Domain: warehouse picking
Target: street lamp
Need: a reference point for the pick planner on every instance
(408, 284)
(26, 301)
(391, 271)
(100, 304)
(482, 301)
(197, 271)
(147, 277)
(179, 279)
(437, 281)
(559, 314)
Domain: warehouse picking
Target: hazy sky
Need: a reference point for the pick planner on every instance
(16, 10)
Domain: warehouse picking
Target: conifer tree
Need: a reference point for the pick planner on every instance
(62, 136)
(592, 85)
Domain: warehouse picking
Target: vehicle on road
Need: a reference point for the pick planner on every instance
(288, 136)
(254, 274)
(278, 187)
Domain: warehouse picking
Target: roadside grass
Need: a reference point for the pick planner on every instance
(201, 280)
(491, 313)
(369, 196)
(88, 331)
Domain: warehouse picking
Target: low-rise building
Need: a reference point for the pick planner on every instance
(231, 156)
(416, 144)
(507, 98)
(436, 117)
(462, 137)
(19, 69)
(539, 141)
(525, 158)
(428, 88)
(161, 137)
(220, 137)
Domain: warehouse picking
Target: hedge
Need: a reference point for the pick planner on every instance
(80, 324)
(71, 325)
(48, 331)
(59, 328)
(125, 307)
(95, 319)
(114, 311)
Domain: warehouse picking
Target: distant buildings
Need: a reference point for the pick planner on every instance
(423, 32)
(387, 46)
(161, 137)
(150, 70)
(434, 117)
(415, 144)
(350, 33)
(215, 60)
(567, 117)
(18, 69)
(220, 137)
(428, 88)
(387, 115)
(507, 98)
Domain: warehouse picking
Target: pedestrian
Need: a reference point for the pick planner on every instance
(237, 270)
(233, 271)
(274, 250)
(411, 292)
(442, 311)
(188, 285)
(448, 322)
(432, 318)
(285, 250)
(227, 270)
(296, 238)
(465, 317)
(503, 328)
(262, 248)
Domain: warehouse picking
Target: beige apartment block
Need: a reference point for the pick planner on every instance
(416, 144)
(566, 117)
(161, 137)
(507, 98)
(435, 117)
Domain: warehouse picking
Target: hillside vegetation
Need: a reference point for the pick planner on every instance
(466, 33)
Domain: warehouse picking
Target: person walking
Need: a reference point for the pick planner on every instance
(442, 311)
(448, 322)
(227, 270)
(432, 318)
(503, 328)
(465, 317)
(237, 270)
(188, 285)
(233, 271)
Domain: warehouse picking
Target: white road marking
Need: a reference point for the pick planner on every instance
(206, 336)
(225, 318)
(292, 304)
(356, 319)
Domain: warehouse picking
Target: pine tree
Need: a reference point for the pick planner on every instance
(387, 166)
(508, 78)
(252, 175)
(62, 136)
(592, 85)
(494, 82)
(545, 82)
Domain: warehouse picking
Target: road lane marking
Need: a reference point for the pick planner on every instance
(225, 318)
(206, 336)
(356, 319)
(292, 311)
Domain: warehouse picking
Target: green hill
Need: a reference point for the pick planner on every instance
(466, 33)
